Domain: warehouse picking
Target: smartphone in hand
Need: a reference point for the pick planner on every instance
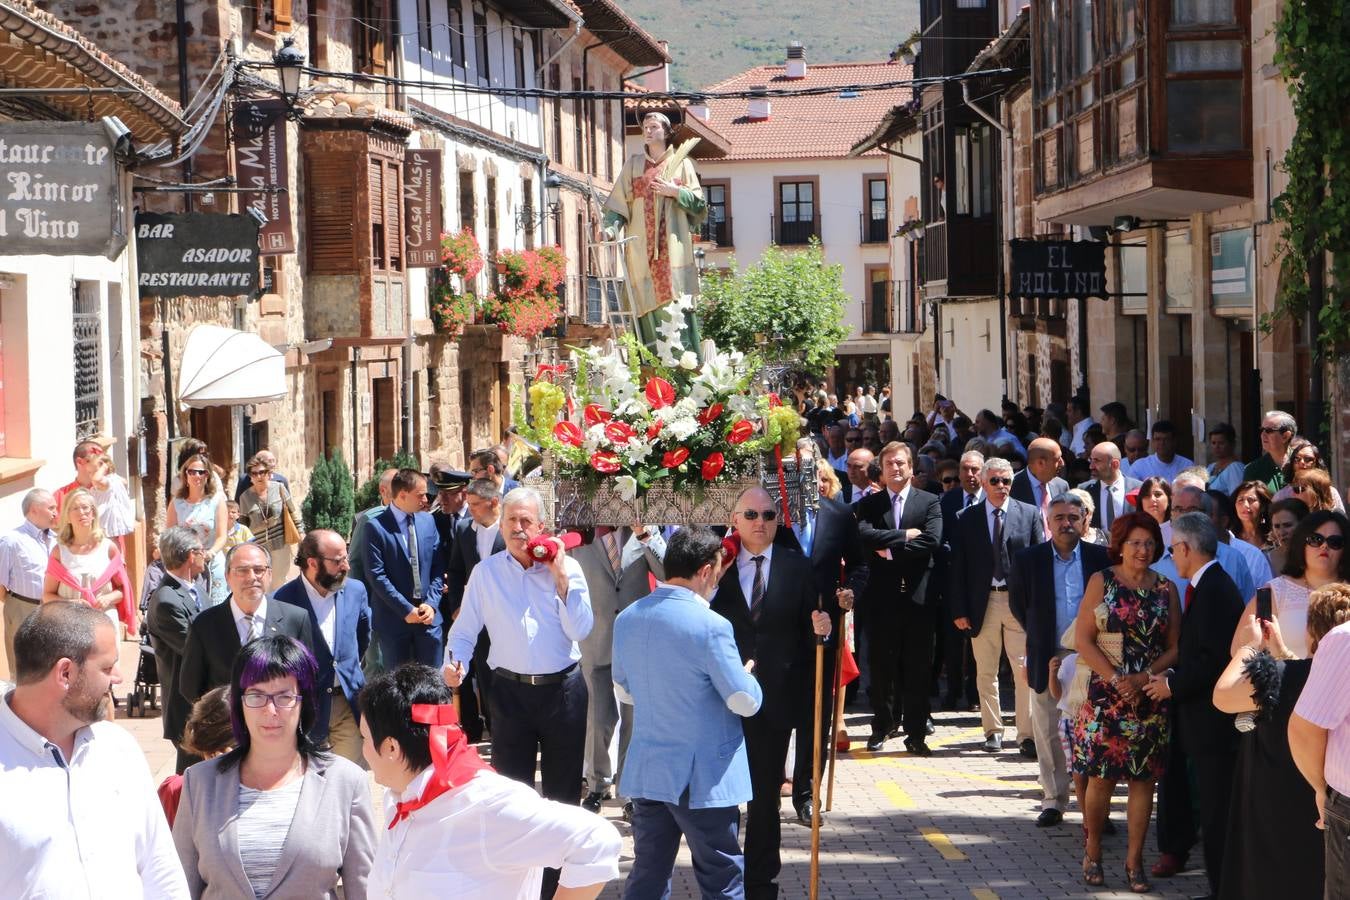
(1263, 605)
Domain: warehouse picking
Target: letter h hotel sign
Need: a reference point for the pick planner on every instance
(60, 190)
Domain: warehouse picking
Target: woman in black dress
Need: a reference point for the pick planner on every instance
(1274, 848)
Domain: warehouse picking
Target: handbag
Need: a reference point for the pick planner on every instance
(290, 532)
(1110, 643)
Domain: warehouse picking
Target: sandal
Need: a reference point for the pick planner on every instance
(1092, 872)
(1138, 883)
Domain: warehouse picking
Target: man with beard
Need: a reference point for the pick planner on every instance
(339, 617)
(80, 817)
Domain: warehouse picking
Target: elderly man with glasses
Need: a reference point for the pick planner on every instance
(1278, 430)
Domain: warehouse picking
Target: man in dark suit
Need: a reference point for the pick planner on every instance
(404, 576)
(1109, 486)
(217, 634)
(446, 487)
(339, 617)
(769, 595)
(901, 527)
(173, 607)
(828, 537)
(1045, 588)
(1210, 614)
(958, 659)
(477, 536)
(1039, 482)
(488, 464)
(986, 538)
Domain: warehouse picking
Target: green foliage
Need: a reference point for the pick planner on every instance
(791, 293)
(1314, 210)
(331, 499)
(369, 493)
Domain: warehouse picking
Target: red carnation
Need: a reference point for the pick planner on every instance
(568, 433)
(660, 393)
(594, 414)
(605, 463)
(653, 430)
(673, 459)
(712, 466)
(740, 432)
(710, 414)
(619, 432)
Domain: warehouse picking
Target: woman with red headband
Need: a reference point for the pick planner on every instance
(456, 827)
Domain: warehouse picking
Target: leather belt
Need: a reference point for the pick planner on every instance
(23, 598)
(551, 678)
(998, 590)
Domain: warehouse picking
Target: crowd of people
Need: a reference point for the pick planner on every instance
(1178, 628)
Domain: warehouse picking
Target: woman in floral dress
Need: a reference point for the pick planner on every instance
(1119, 734)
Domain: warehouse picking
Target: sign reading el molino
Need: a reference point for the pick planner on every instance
(196, 254)
(1057, 269)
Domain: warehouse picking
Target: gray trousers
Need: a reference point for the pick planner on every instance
(604, 713)
(1056, 784)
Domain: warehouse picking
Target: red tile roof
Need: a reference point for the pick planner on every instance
(811, 127)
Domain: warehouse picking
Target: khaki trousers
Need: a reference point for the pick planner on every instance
(1001, 632)
(343, 732)
(16, 611)
(1054, 766)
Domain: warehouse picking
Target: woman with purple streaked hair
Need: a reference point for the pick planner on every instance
(278, 816)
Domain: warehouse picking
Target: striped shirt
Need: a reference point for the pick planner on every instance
(1326, 704)
(264, 821)
(23, 559)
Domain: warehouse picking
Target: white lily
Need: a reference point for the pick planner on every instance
(626, 487)
(689, 360)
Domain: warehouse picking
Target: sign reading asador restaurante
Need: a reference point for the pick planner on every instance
(196, 254)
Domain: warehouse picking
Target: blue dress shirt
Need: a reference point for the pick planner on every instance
(1068, 587)
(1229, 560)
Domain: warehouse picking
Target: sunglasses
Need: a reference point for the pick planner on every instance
(751, 515)
(998, 479)
(950, 479)
(197, 472)
(1333, 541)
(1265, 430)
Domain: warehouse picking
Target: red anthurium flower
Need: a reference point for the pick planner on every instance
(605, 463)
(619, 432)
(654, 429)
(740, 432)
(674, 458)
(731, 548)
(594, 414)
(712, 466)
(568, 433)
(660, 393)
(710, 414)
(774, 401)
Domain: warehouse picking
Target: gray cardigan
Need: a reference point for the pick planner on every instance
(332, 834)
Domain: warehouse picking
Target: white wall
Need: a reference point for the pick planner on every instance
(970, 372)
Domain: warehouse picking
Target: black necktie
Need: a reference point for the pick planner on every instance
(757, 589)
(970, 500)
(999, 573)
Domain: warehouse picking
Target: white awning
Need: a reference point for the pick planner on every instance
(224, 367)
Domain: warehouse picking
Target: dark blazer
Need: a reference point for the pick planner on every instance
(168, 619)
(845, 487)
(1094, 490)
(951, 503)
(971, 572)
(351, 634)
(388, 572)
(1022, 490)
(446, 523)
(1031, 587)
(905, 576)
(1207, 627)
(213, 643)
(781, 643)
(462, 557)
(834, 540)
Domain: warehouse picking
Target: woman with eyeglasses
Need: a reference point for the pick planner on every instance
(200, 505)
(1284, 518)
(264, 508)
(1313, 487)
(1305, 457)
(1316, 557)
(1090, 534)
(1252, 500)
(275, 817)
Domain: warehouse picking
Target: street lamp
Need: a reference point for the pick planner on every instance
(527, 219)
(290, 62)
(701, 260)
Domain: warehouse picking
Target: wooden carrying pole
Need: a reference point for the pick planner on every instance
(815, 768)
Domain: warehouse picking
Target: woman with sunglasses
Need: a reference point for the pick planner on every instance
(264, 508)
(1252, 500)
(1284, 518)
(1305, 457)
(200, 505)
(276, 816)
(1313, 487)
(1316, 557)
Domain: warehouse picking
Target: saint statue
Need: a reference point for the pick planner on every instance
(659, 203)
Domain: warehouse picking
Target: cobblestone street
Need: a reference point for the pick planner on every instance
(960, 824)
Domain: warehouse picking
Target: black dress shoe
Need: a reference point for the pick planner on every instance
(917, 747)
(1027, 748)
(594, 800)
(1049, 818)
(876, 742)
(804, 814)
(993, 742)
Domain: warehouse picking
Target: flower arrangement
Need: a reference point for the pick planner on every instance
(527, 301)
(460, 255)
(453, 305)
(451, 309)
(640, 419)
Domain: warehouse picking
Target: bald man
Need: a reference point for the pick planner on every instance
(1039, 482)
(1108, 486)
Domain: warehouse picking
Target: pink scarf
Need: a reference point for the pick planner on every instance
(116, 569)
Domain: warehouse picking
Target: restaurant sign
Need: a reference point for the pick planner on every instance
(260, 164)
(196, 254)
(59, 190)
(1057, 270)
(422, 207)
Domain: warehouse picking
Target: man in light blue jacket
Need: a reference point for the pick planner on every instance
(686, 769)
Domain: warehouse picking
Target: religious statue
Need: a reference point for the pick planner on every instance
(659, 203)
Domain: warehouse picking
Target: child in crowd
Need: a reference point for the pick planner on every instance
(239, 532)
(207, 734)
(1061, 681)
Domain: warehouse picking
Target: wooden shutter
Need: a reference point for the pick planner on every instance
(281, 14)
(393, 213)
(330, 211)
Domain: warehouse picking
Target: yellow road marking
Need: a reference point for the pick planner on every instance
(905, 763)
(959, 738)
(983, 894)
(942, 844)
(896, 794)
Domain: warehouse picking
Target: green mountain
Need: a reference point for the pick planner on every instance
(713, 39)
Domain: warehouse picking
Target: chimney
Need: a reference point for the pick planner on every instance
(699, 110)
(758, 108)
(796, 60)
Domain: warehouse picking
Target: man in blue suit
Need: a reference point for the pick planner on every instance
(339, 616)
(404, 576)
(687, 771)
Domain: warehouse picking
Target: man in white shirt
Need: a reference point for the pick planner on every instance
(80, 817)
(860, 474)
(837, 447)
(23, 562)
(1079, 415)
(1164, 461)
